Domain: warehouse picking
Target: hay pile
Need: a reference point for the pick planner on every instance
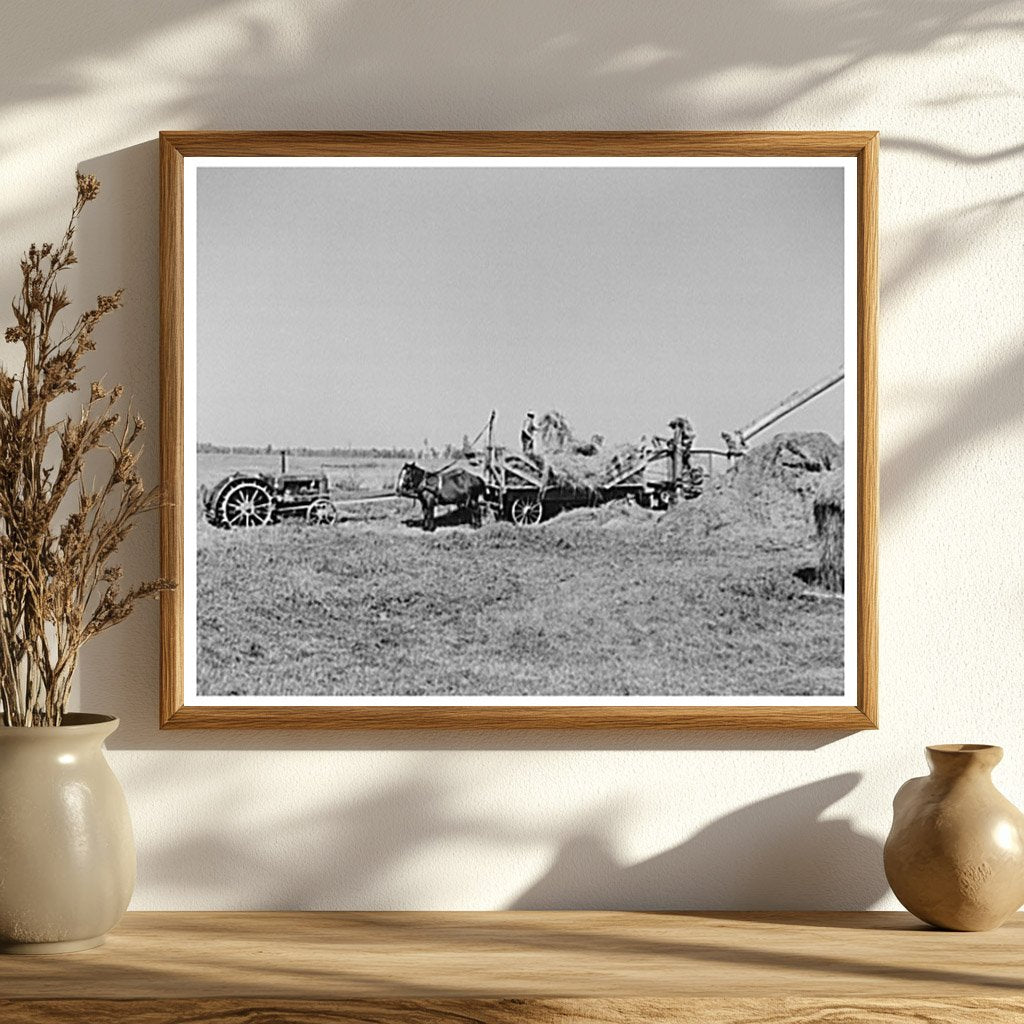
(766, 498)
(612, 515)
(829, 518)
(570, 462)
(584, 472)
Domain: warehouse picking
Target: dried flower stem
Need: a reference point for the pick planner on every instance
(58, 588)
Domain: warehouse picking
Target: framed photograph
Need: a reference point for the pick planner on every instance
(519, 430)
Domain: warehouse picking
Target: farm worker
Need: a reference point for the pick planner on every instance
(528, 433)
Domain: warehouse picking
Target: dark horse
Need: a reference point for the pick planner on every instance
(448, 487)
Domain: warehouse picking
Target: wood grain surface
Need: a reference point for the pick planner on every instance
(867, 415)
(176, 146)
(526, 954)
(524, 966)
(515, 1011)
(574, 717)
(303, 143)
(172, 450)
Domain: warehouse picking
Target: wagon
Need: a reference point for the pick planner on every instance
(522, 487)
(258, 499)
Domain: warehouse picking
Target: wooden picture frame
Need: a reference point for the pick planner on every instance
(181, 150)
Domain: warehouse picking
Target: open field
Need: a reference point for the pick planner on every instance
(611, 601)
(345, 473)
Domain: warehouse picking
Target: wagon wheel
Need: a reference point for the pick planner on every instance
(526, 511)
(247, 504)
(322, 512)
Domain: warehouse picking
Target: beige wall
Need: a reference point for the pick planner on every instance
(464, 821)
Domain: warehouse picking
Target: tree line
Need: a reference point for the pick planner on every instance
(427, 451)
(206, 448)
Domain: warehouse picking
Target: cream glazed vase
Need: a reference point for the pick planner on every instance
(67, 855)
(955, 855)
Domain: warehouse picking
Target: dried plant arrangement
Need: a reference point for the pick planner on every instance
(59, 530)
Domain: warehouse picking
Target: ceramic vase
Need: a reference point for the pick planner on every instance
(955, 855)
(67, 855)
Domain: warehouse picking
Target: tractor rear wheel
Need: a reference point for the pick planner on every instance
(246, 504)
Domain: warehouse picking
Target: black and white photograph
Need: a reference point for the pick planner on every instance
(520, 431)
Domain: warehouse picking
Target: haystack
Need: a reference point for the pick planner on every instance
(829, 519)
(764, 500)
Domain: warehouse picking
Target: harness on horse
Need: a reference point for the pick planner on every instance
(436, 492)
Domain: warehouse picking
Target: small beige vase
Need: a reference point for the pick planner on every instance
(955, 855)
(67, 856)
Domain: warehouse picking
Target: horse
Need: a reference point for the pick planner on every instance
(447, 487)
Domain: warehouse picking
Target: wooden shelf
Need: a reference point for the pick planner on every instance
(500, 968)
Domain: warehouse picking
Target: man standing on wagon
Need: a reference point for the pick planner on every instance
(528, 434)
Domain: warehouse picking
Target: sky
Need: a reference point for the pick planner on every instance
(380, 307)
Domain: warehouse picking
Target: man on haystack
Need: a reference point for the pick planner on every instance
(528, 434)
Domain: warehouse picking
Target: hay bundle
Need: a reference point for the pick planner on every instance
(829, 519)
(793, 460)
(573, 463)
(764, 500)
(585, 472)
(555, 432)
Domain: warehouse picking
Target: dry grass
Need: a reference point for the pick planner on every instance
(829, 519)
(568, 608)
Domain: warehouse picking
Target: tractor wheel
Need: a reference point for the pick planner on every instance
(322, 512)
(526, 511)
(246, 504)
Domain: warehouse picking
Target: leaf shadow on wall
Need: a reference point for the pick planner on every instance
(400, 845)
(776, 853)
(989, 405)
(373, 64)
(317, 63)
